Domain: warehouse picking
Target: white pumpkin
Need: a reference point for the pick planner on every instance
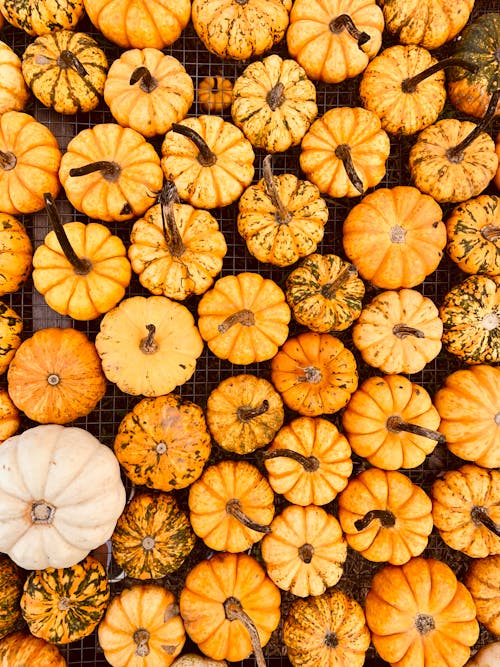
(487, 656)
(60, 496)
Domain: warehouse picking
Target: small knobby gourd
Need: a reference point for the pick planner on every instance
(344, 152)
(81, 502)
(230, 607)
(10, 419)
(244, 413)
(420, 614)
(487, 656)
(326, 629)
(195, 660)
(148, 90)
(398, 331)
(305, 551)
(81, 270)
(152, 536)
(65, 70)
(392, 422)
(65, 604)
(148, 345)
(281, 218)
(110, 173)
(274, 103)
(466, 510)
(40, 18)
(325, 293)
(483, 582)
(21, 648)
(215, 93)
(14, 93)
(332, 40)
(395, 237)
(309, 461)
(255, 27)
(55, 376)
(244, 318)
(11, 582)
(385, 516)
(16, 253)
(11, 327)
(163, 442)
(314, 373)
(469, 406)
(142, 625)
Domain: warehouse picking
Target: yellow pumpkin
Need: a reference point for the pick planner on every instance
(11, 327)
(10, 419)
(14, 93)
(215, 93)
(16, 253)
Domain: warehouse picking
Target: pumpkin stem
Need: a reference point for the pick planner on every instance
(110, 171)
(42, 512)
(309, 463)
(68, 59)
(244, 317)
(81, 265)
(387, 519)
(403, 330)
(331, 640)
(345, 22)
(275, 96)
(141, 639)
(306, 552)
(246, 413)
(284, 215)
(480, 516)
(343, 153)
(491, 233)
(148, 345)
(329, 290)
(206, 157)
(455, 153)
(424, 623)
(147, 81)
(394, 424)
(410, 85)
(166, 198)
(233, 507)
(7, 160)
(235, 612)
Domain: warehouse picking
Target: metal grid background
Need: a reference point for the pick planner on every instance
(104, 420)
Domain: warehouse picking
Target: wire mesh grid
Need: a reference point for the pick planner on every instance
(103, 422)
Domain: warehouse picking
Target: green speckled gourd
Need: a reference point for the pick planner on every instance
(40, 18)
(11, 327)
(11, 585)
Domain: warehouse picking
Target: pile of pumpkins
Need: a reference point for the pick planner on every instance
(266, 460)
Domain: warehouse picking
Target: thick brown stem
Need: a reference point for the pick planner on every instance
(396, 424)
(329, 290)
(147, 81)
(141, 639)
(386, 518)
(480, 516)
(81, 265)
(68, 59)
(7, 161)
(455, 153)
(275, 96)
(410, 85)
(148, 345)
(244, 317)
(284, 215)
(403, 330)
(309, 463)
(343, 153)
(233, 507)
(491, 233)
(306, 552)
(110, 171)
(345, 22)
(206, 157)
(166, 198)
(235, 612)
(246, 413)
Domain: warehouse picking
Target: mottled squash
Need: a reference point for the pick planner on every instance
(16, 253)
(11, 327)
(40, 18)
(21, 648)
(11, 585)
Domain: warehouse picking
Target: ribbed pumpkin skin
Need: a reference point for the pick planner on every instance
(50, 73)
(11, 585)
(21, 648)
(64, 605)
(14, 93)
(327, 629)
(40, 18)
(471, 320)
(10, 419)
(482, 579)
(152, 536)
(11, 327)
(215, 93)
(16, 252)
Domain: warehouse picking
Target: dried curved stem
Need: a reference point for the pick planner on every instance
(329, 290)
(206, 157)
(110, 171)
(386, 518)
(235, 612)
(147, 81)
(244, 317)
(148, 345)
(455, 153)
(480, 516)
(233, 507)
(68, 59)
(275, 96)
(309, 463)
(246, 413)
(410, 85)
(343, 153)
(345, 22)
(81, 265)
(166, 198)
(403, 330)
(396, 424)
(284, 215)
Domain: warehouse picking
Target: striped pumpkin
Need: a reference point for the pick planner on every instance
(39, 18)
(21, 648)
(11, 585)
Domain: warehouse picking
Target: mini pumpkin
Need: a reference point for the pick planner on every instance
(215, 93)
(55, 376)
(11, 327)
(11, 582)
(10, 419)
(483, 582)
(148, 90)
(314, 373)
(16, 253)
(21, 648)
(487, 656)
(14, 94)
(37, 18)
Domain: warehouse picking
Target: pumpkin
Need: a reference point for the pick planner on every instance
(55, 376)
(230, 607)
(314, 373)
(244, 318)
(81, 270)
(61, 499)
(231, 506)
(469, 406)
(16, 252)
(154, 24)
(37, 18)
(148, 90)
(281, 218)
(487, 656)
(110, 173)
(9, 418)
(209, 160)
(195, 660)
(483, 582)
(466, 510)
(239, 30)
(430, 23)
(398, 331)
(65, 604)
(470, 312)
(11, 582)
(163, 442)
(395, 237)
(11, 327)
(392, 422)
(244, 413)
(473, 234)
(29, 163)
(326, 629)
(14, 94)
(305, 551)
(65, 70)
(175, 249)
(148, 345)
(142, 626)
(152, 537)
(274, 103)
(344, 151)
(215, 93)
(334, 40)
(469, 91)
(309, 461)
(385, 517)
(21, 648)
(420, 614)
(324, 293)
